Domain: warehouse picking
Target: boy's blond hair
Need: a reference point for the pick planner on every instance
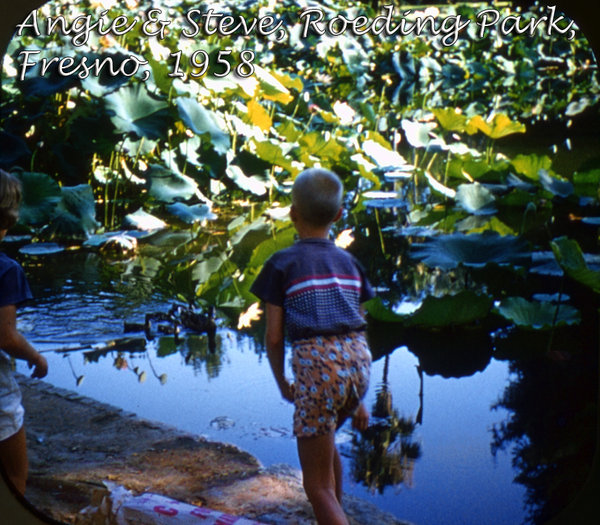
(10, 198)
(317, 196)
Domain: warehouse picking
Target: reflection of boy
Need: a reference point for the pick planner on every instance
(313, 291)
(14, 289)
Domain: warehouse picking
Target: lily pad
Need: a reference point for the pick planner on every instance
(537, 315)
(476, 250)
(41, 248)
(144, 221)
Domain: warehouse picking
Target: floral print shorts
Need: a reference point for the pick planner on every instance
(331, 376)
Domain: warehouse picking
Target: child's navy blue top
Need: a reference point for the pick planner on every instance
(319, 285)
(14, 288)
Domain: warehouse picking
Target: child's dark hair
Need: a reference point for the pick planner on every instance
(317, 196)
(10, 198)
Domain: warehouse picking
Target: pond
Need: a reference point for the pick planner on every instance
(229, 394)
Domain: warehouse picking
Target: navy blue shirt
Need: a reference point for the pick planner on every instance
(14, 288)
(319, 286)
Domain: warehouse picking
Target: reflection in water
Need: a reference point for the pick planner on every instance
(384, 454)
(551, 430)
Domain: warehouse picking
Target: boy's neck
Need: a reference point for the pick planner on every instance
(306, 231)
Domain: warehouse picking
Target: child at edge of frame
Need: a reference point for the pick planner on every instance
(313, 291)
(14, 289)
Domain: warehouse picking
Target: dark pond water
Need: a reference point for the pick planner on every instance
(229, 395)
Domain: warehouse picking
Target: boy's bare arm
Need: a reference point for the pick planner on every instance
(274, 341)
(15, 344)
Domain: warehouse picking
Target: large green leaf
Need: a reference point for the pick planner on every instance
(462, 308)
(451, 119)
(135, 110)
(536, 314)
(477, 250)
(167, 186)
(570, 257)
(76, 212)
(497, 127)
(530, 165)
(201, 121)
(560, 187)
(41, 195)
(476, 199)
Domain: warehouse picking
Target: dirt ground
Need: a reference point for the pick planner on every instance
(77, 444)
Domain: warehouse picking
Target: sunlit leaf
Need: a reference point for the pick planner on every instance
(476, 199)
(259, 115)
(560, 187)
(252, 184)
(191, 214)
(451, 119)
(142, 220)
(271, 88)
(201, 120)
(530, 165)
(499, 126)
(167, 186)
(135, 110)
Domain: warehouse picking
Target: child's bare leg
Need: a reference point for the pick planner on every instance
(13, 454)
(337, 471)
(317, 458)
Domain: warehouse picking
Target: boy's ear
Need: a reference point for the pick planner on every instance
(293, 215)
(338, 215)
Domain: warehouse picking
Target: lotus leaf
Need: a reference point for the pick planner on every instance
(477, 250)
(436, 312)
(135, 111)
(530, 165)
(451, 119)
(201, 120)
(497, 127)
(537, 315)
(191, 214)
(167, 186)
(252, 184)
(571, 259)
(41, 248)
(76, 212)
(142, 220)
(559, 187)
(476, 199)
(41, 195)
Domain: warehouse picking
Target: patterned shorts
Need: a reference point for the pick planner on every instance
(331, 376)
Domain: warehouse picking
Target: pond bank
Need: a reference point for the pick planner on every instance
(76, 444)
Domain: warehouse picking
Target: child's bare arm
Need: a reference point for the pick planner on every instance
(274, 341)
(15, 344)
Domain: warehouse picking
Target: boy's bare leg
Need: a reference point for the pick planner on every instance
(13, 454)
(337, 471)
(317, 458)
